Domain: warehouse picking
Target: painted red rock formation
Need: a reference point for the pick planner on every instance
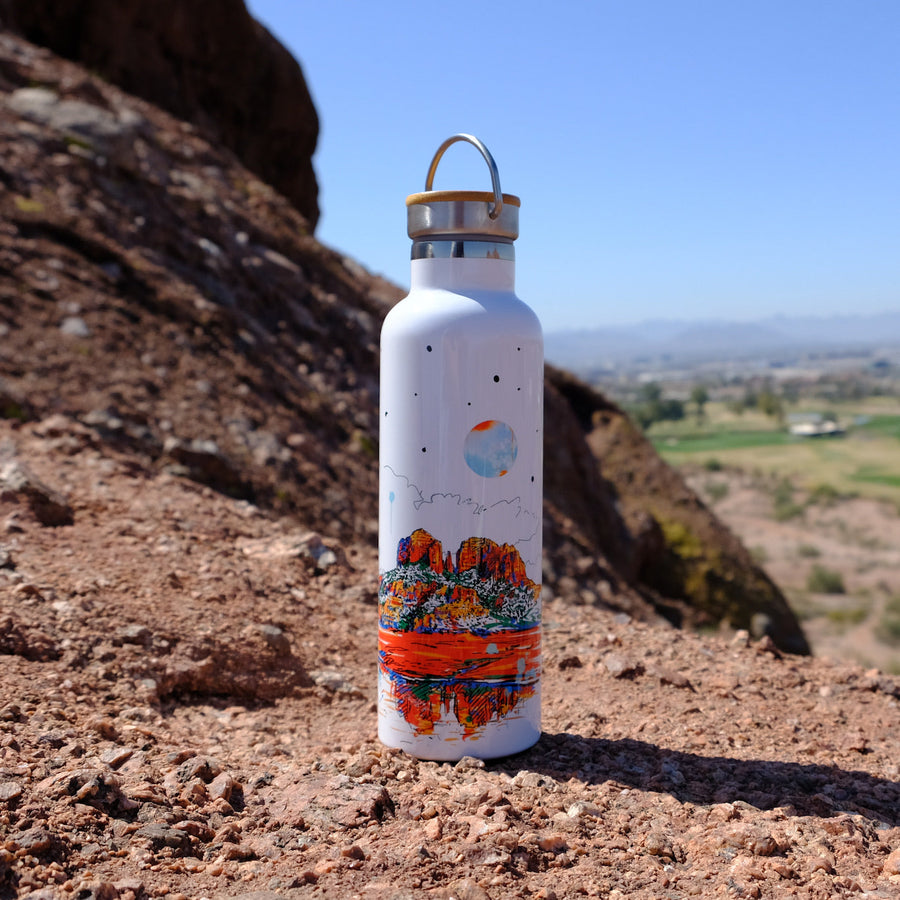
(489, 559)
(421, 545)
(492, 560)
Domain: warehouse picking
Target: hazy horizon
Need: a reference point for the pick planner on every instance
(772, 318)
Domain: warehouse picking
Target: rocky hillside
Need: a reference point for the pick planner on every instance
(208, 62)
(188, 387)
(183, 308)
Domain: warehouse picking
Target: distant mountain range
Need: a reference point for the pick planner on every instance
(681, 341)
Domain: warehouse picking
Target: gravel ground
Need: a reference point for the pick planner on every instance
(187, 709)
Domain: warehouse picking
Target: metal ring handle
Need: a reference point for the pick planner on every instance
(496, 207)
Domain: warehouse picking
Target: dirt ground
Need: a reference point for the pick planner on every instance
(857, 538)
(188, 710)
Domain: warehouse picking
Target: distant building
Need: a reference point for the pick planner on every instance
(821, 428)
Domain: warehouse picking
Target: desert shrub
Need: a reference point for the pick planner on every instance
(825, 581)
(824, 495)
(11, 410)
(888, 628)
(699, 397)
(653, 407)
(716, 490)
(783, 501)
(805, 608)
(785, 511)
(760, 554)
(848, 615)
(366, 443)
(681, 540)
(713, 465)
(808, 551)
(771, 405)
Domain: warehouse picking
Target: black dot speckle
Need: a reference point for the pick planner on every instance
(496, 378)
(424, 449)
(428, 348)
(532, 479)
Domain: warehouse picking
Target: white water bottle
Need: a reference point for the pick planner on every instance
(460, 486)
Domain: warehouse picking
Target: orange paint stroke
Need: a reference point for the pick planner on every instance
(510, 656)
(487, 425)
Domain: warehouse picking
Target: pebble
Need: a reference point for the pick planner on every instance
(571, 662)
(553, 843)
(103, 726)
(670, 676)
(12, 524)
(857, 743)
(324, 866)
(362, 765)
(75, 326)
(115, 756)
(478, 827)
(206, 768)
(466, 889)
(749, 868)
(10, 790)
(657, 844)
(221, 787)
(159, 835)
(784, 869)
(136, 634)
(96, 890)
(49, 506)
(275, 638)
(580, 808)
(767, 645)
(892, 863)
(620, 666)
(196, 829)
(821, 862)
(332, 680)
(741, 638)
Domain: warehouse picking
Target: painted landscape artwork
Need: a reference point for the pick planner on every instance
(458, 636)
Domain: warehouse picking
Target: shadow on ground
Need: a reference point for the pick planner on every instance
(812, 790)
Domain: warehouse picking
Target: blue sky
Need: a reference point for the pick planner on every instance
(684, 159)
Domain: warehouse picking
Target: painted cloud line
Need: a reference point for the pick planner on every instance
(506, 521)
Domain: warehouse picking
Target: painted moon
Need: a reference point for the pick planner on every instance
(490, 448)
